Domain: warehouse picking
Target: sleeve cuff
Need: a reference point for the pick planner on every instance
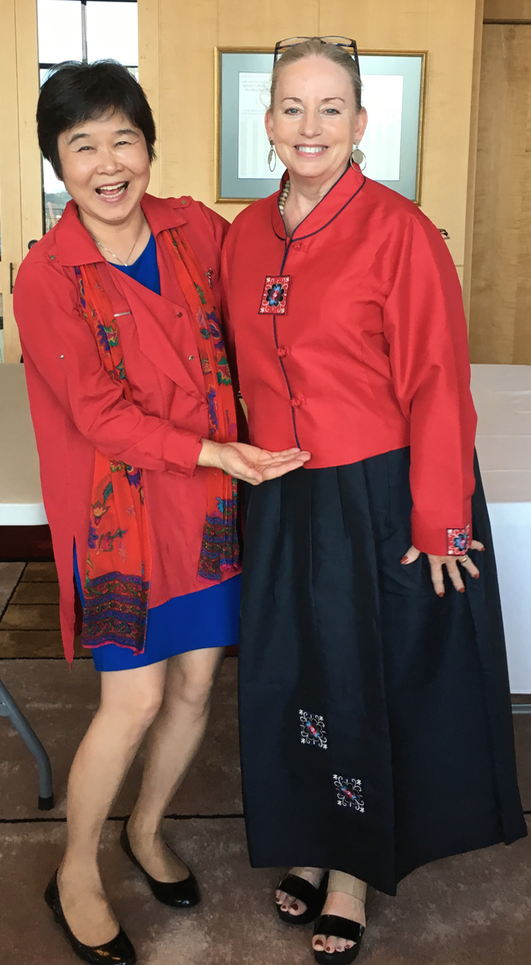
(182, 452)
(452, 541)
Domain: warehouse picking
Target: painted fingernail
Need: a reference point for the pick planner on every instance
(461, 589)
(440, 594)
(476, 576)
(404, 559)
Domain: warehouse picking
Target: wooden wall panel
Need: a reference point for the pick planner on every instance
(188, 34)
(507, 10)
(9, 174)
(263, 22)
(28, 93)
(149, 72)
(500, 316)
(466, 280)
(383, 26)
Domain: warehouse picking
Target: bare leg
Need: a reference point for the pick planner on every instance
(173, 740)
(130, 700)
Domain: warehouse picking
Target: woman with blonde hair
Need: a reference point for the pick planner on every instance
(375, 716)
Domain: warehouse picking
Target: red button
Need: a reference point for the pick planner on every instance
(282, 351)
(296, 401)
(179, 314)
(296, 246)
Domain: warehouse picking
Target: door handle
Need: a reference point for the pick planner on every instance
(11, 277)
(31, 243)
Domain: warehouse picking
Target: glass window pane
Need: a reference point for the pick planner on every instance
(55, 196)
(59, 25)
(112, 31)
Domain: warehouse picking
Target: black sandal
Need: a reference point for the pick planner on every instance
(314, 898)
(334, 925)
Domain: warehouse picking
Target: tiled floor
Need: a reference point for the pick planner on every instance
(474, 909)
(29, 624)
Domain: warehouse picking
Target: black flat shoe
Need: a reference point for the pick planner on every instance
(314, 898)
(176, 894)
(119, 951)
(334, 925)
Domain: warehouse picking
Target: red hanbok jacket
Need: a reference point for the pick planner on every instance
(351, 341)
(77, 408)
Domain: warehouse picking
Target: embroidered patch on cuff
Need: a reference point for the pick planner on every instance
(313, 730)
(275, 296)
(457, 541)
(349, 793)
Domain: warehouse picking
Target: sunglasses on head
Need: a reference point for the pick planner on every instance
(344, 42)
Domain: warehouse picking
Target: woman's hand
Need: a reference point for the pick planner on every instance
(437, 563)
(249, 463)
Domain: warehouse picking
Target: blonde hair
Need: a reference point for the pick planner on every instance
(316, 48)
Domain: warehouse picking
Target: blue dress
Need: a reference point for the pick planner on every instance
(195, 621)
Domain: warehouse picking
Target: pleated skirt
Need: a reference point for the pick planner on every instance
(375, 717)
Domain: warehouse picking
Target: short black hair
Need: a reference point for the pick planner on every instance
(76, 92)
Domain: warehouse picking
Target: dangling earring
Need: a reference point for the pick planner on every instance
(358, 157)
(272, 157)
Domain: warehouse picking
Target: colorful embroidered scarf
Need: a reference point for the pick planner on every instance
(117, 583)
(220, 548)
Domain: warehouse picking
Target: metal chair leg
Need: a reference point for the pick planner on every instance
(8, 708)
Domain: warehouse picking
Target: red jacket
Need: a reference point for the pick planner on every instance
(371, 353)
(76, 407)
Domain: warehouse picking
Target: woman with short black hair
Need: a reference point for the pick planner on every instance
(135, 421)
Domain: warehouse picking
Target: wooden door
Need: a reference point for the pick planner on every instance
(500, 309)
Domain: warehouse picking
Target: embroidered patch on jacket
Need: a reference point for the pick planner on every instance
(457, 541)
(349, 793)
(313, 730)
(275, 295)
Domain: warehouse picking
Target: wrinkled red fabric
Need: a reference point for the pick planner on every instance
(76, 408)
(371, 354)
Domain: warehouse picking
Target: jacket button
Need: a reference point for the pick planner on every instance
(191, 358)
(282, 351)
(296, 401)
(179, 314)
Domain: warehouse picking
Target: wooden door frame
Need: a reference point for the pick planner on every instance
(20, 168)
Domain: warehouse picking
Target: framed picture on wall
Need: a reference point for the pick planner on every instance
(393, 93)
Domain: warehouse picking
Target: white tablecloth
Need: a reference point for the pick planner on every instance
(502, 394)
(20, 487)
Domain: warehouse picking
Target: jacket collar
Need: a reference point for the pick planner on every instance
(75, 245)
(335, 200)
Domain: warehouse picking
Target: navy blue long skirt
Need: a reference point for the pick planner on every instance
(376, 728)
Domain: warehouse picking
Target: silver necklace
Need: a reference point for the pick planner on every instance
(126, 262)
